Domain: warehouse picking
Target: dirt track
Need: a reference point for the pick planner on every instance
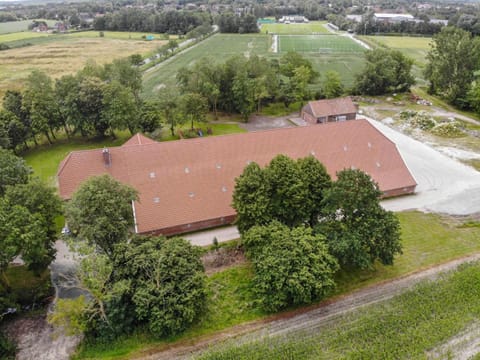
(311, 318)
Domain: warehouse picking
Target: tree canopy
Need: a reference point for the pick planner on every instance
(358, 230)
(292, 265)
(385, 71)
(167, 282)
(100, 212)
(285, 190)
(13, 170)
(452, 61)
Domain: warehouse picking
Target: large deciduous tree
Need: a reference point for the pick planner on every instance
(452, 60)
(292, 266)
(286, 190)
(332, 85)
(101, 212)
(385, 71)
(13, 170)
(167, 281)
(195, 107)
(358, 230)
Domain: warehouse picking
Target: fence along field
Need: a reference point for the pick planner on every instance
(318, 44)
(314, 27)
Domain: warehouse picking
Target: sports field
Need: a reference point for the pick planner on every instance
(221, 47)
(414, 47)
(218, 48)
(314, 27)
(318, 44)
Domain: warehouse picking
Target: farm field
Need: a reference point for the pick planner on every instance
(313, 27)
(16, 26)
(435, 320)
(220, 47)
(428, 239)
(63, 55)
(318, 44)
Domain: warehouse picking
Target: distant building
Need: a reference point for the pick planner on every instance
(329, 110)
(187, 185)
(294, 19)
(356, 18)
(392, 18)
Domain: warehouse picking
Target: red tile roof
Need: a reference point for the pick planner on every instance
(139, 139)
(188, 181)
(330, 107)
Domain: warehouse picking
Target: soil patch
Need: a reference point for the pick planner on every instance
(218, 260)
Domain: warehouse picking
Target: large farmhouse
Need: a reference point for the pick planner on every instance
(329, 110)
(187, 185)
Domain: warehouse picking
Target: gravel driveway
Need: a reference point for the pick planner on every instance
(444, 184)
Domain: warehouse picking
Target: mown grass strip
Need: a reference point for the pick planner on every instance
(406, 327)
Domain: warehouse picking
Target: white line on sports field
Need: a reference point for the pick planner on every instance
(275, 44)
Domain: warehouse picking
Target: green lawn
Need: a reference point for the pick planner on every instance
(45, 159)
(318, 44)
(428, 240)
(413, 325)
(17, 26)
(314, 27)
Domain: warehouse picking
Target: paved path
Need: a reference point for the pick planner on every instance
(205, 238)
(444, 184)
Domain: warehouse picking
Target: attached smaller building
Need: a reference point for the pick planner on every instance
(329, 110)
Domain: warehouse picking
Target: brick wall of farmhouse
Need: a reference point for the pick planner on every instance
(399, 192)
(200, 225)
(308, 117)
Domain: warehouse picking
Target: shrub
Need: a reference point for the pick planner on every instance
(450, 129)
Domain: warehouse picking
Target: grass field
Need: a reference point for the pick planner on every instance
(318, 44)
(414, 47)
(16, 26)
(413, 325)
(428, 239)
(314, 27)
(58, 55)
(222, 46)
(19, 36)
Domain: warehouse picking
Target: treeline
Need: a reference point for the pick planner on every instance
(94, 102)
(28, 210)
(146, 20)
(230, 23)
(467, 21)
(242, 85)
(369, 26)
